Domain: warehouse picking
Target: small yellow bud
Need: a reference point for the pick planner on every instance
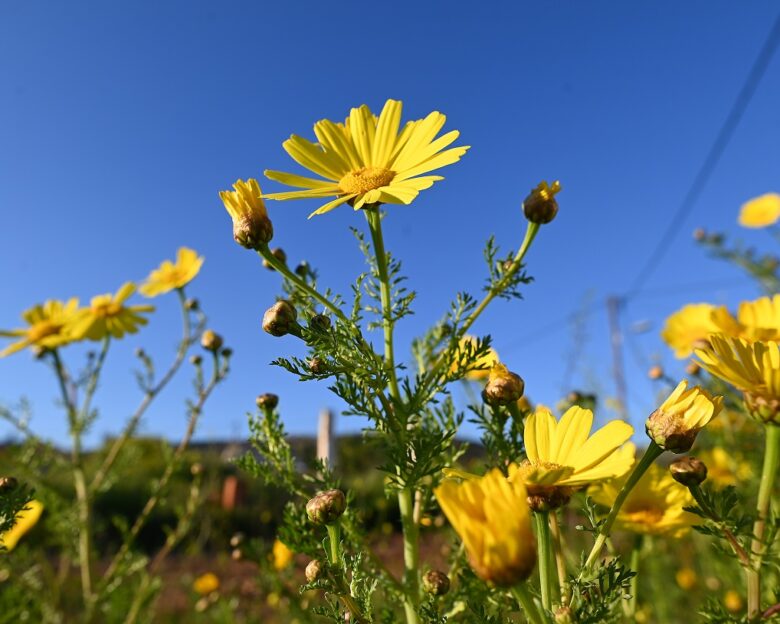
(314, 570)
(251, 226)
(503, 386)
(277, 253)
(280, 318)
(211, 340)
(688, 471)
(267, 401)
(436, 583)
(541, 206)
(326, 507)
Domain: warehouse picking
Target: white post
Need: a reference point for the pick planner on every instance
(325, 450)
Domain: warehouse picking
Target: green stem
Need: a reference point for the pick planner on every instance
(757, 547)
(651, 454)
(544, 544)
(526, 601)
(334, 538)
(411, 555)
(636, 554)
(282, 268)
(560, 562)
(374, 218)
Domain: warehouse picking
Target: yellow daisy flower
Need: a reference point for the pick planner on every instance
(251, 225)
(760, 212)
(686, 411)
(563, 456)
(169, 275)
(25, 520)
(752, 367)
(50, 326)
(758, 319)
(725, 468)
(690, 327)
(491, 516)
(281, 555)
(653, 507)
(107, 315)
(206, 583)
(366, 160)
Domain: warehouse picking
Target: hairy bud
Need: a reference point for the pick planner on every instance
(436, 583)
(326, 507)
(541, 206)
(280, 318)
(314, 570)
(688, 470)
(320, 322)
(267, 401)
(503, 386)
(211, 340)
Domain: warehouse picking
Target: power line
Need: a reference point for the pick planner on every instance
(713, 157)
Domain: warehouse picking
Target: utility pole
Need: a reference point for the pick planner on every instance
(325, 438)
(614, 305)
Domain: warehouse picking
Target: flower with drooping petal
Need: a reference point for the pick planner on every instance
(491, 516)
(562, 456)
(368, 159)
(686, 411)
(251, 226)
(108, 315)
(653, 507)
(171, 275)
(25, 520)
(50, 326)
(760, 212)
(751, 367)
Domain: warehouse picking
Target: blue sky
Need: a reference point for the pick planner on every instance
(120, 122)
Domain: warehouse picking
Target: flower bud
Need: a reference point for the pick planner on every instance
(236, 554)
(688, 471)
(318, 366)
(211, 340)
(320, 322)
(8, 484)
(436, 583)
(326, 507)
(314, 570)
(699, 234)
(563, 615)
(192, 305)
(655, 372)
(503, 387)
(277, 253)
(196, 469)
(226, 352)
(196, 360)
(302, 270)
(540, 206)
(693, 369)
(267, 401)
(237, 540)
(251, 226)
(280, 318)
(676, 423)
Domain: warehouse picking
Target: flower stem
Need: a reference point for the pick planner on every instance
(526, 601)
(636, 554)
(651, 454)
(560, 562)
(334, 538)
(411, 555)
(544, 546)
(757, 547)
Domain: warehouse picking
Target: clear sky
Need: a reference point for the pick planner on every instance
(121, 121)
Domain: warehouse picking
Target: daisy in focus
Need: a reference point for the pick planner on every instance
(50, 325)
(368, 159)
(563, 456)
(108, 315)
(169, 275)
(654, 506)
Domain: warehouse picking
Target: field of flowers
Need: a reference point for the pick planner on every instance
(549, 520)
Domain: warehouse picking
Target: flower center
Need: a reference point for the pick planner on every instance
(365, 179)
(43, 329)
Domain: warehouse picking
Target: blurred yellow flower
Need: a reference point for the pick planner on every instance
(281, 555)
(752, 367)
(366, 160)
(107, 315)
(25, 520)
(653, 507)
(725, 468)
(686, 411)
(169, 275)
(758, 319)
(50, 326)
(691, 326)
(486, 362)
(491, 516)
(686, 578)
(760, 211)
(563, 456)
(251, 225)
(733, 601)
(206, 583)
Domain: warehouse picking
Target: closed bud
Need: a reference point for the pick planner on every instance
(326, 507)
(139, 353)
(699, 234)
(689, 471)
(277, 253)
(436, 583)
(226, 352)
(8, 484)
(320, 322)
(314, 570)
(237, 540)
(693, 369)
(196, 360)
(251, 226)
(196, 469)
(655, 372)
(318, 366)
(211, 340)
(541, 206)
(503, 386)
(280, 318)
(302, 270)
(267, 401)
(236, 554)
(192, 305)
